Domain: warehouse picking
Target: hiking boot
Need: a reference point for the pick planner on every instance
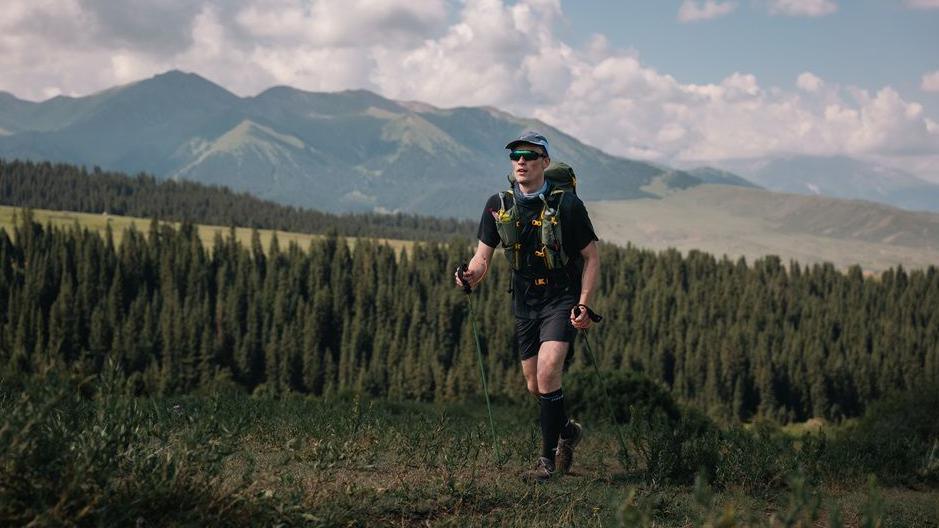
(564, 455)
(544, 468)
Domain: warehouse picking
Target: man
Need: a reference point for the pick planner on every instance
(547, 286)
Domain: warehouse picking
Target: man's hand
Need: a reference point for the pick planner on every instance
(474, 272)
(472, 275)
(580, 318)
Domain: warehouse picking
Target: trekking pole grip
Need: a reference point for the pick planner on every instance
(467, 289)
(594, 316)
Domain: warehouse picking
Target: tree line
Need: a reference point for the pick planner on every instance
(737, 339)
(44, 185)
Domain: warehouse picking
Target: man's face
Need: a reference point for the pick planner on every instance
(526, 171)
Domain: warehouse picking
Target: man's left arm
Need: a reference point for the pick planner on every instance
(587, 284)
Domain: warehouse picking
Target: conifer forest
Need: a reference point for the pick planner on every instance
(735, 338)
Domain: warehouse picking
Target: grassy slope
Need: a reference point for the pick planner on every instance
(338, 462)
(99, 223)
(735, 221)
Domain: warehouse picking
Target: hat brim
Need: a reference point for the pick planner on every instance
(513, 144)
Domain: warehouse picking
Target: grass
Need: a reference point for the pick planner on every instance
(78, 452)
(735, 221)
(100, 222)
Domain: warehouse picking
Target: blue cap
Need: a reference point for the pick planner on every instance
(531, 137)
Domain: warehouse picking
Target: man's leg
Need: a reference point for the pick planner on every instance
(530, 371)
(552, 416)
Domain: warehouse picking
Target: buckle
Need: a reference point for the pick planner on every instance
(541, 282)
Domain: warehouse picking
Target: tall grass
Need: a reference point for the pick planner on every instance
(81, 452)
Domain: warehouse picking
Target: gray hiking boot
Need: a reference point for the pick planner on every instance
(544, 468)
(564, 455)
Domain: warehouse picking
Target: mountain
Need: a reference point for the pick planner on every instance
(718, 176)
(346, 151)
(840, 177)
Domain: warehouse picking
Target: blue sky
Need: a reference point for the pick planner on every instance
(867, 43)
(682, 82)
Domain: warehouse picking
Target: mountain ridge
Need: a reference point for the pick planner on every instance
(353, 150)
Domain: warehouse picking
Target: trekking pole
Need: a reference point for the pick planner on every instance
(595, 317)
(467, 289)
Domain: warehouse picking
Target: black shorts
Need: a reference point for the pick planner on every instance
(530, 333)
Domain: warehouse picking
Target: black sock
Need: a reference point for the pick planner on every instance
(552, 420)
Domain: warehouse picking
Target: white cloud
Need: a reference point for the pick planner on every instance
(809, 82)
(693, 10)
(346, 23)
(811, 8)
(930, 82)
(923, 4)
(489, 52)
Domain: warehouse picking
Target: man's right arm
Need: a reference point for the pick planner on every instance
(488, 237)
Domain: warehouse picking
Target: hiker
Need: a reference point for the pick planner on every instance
(551, 247)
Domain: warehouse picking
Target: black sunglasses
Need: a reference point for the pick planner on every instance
(529, 155)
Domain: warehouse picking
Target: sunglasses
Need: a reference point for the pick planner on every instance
(528, 155)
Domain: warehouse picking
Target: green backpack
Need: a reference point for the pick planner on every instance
(561, 180)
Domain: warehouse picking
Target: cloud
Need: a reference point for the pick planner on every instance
(923, 4)
(809, 82)
(810, 8)
(341, 23)
(476, 52)
(930, 82)
(693, 11)
(154, 27)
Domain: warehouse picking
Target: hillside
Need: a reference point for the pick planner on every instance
(69, 188)
(100, 223)
(839, 177)
(737, 221)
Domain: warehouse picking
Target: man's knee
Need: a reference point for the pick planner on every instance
(532, 384)
(548, 381)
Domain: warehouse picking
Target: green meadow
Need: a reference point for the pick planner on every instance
(80, 452)
(99, 223)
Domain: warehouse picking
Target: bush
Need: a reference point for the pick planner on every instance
(755, 461)
(628, 393)
(896, 440)
(669, 442)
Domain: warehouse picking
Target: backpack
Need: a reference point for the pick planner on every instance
(561, 179)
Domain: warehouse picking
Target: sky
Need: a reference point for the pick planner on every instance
(681, 82)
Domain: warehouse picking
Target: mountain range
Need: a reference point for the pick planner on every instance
(340, 152)
(356, 151)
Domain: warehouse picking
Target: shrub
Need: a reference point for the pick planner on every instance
(755, 461)
(628, 393)
(669, 442)
(895, 440)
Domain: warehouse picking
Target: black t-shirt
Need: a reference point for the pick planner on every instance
(530, 301)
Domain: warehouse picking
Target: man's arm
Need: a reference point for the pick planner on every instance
(588, 282)
(478, 265)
